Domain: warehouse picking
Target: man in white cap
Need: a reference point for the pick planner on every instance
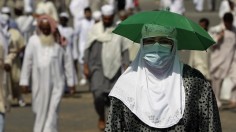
(105, 55)
(97, 15)
(68, 33)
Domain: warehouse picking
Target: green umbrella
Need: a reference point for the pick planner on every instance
(190, 35)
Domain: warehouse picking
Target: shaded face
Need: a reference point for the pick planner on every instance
(45, 28)
(122, 18)
(228, 25)
(203, 25)
(163, 41)
(63, 21)
(88, 15)
(107, 20)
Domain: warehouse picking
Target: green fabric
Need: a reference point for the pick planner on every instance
(150, 30)
(190, 35)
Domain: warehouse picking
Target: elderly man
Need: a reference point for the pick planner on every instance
(105, 54)
(49, 61)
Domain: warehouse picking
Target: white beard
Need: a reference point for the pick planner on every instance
(47, 40)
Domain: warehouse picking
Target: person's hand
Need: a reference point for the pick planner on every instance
(86, 71)
(72, 90)
(7, 67)
(25, 89)
(220, 35)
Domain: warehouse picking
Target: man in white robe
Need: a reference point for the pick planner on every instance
(222, 55)
(25, 23)
(68, 32)
(82, 30)
(48, 63)
(105, 56)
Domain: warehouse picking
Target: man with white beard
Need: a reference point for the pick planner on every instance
(48, 61)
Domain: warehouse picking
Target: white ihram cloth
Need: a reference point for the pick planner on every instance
(157, 98)
(48, 66)
(111, 58)
(177, 6)
(77, 10)
(82, 31)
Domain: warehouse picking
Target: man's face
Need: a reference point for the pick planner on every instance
(107, 20)
(63, 21)
(88, 15)
(203, 25)
(228, 25)
(45, 28)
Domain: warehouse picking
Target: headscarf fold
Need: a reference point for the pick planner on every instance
(155, 95)
(53, 25)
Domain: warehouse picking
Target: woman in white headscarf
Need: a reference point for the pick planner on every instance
(159, 93)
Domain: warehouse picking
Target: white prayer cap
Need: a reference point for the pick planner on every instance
(64, 14)
(3, 18)
(5, 10)
(97, 15)
(107, 10)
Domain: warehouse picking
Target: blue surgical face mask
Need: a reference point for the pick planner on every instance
(157, 55)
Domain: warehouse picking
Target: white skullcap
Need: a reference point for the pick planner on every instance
(97, 15)
(3, 18)
(6, 10)
(107, 10)
(64, 14)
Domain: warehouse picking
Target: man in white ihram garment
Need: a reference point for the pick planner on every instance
(82, 30)
(48, 62)
(105, 56)
(68, 33)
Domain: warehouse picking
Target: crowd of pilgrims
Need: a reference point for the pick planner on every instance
(41, 52)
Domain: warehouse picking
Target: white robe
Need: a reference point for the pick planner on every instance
(82, 30)
(177, 6)
(25, 25)
(77, 10)
(48, 67)
(68, 33)
(198, 5)
(224, 7)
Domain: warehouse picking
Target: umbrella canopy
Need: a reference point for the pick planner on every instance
(190, 35)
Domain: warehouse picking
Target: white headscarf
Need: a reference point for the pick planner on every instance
(155, 96)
